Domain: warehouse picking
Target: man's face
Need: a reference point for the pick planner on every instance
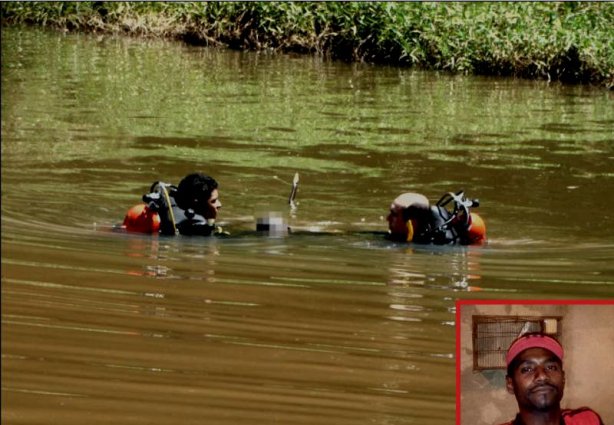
(538, 380)
(210, 209)
(396, 224)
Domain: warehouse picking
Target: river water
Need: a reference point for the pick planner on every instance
(330, 325)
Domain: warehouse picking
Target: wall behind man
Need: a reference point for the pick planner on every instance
(588, 340)
(589, 364)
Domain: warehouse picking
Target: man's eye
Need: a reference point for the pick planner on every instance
(553, 367)
(526, 369)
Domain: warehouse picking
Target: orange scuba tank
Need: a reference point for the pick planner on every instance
(477, 228)
(142, 219)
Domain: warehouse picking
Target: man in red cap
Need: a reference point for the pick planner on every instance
(536, 377)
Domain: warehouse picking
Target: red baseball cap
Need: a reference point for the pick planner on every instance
(533, 341)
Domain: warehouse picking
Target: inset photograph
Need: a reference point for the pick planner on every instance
(535, 362)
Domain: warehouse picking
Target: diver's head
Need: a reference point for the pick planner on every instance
(407, 212)
(199, 192)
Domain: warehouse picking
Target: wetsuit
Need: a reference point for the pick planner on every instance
(581, 416)
(173, 219)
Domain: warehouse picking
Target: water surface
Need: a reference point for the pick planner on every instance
(332, 325)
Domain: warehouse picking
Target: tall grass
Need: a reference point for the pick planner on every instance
(572, 42)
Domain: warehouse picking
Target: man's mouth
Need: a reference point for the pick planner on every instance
(543, 388)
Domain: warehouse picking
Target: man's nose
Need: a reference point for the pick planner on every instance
(540, 374)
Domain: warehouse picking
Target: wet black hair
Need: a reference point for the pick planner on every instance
(196, 186)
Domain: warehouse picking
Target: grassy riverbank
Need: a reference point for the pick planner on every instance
(571, 42)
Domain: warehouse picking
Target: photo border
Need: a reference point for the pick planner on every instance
(460, 302)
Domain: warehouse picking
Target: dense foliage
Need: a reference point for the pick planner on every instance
(572, 42)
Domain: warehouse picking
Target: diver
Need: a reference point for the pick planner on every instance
(190, 208)
(449, 221)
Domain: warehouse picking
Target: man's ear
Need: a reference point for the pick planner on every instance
(509, 384)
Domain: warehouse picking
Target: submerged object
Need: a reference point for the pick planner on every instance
(273, 224)
(142, 219)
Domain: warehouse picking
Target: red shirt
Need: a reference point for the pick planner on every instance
(581, 416)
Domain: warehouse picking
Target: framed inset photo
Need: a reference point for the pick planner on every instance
(491, 378)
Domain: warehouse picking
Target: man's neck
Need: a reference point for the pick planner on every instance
(531, 417)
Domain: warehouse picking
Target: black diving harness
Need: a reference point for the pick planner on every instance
(445, 228)
(159, 200)
(461, 207)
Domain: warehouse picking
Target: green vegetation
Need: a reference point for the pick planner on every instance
(571, 42)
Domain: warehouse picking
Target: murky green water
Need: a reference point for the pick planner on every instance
(337, 326)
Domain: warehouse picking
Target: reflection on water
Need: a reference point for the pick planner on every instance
(329, 324)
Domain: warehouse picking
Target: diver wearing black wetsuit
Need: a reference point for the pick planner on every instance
(413, 219)
(188, 209)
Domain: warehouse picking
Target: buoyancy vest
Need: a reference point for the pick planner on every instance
(173, 219)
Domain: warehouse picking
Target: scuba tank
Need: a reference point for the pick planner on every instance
(141, 219)
(476, 233)
(155, 214)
